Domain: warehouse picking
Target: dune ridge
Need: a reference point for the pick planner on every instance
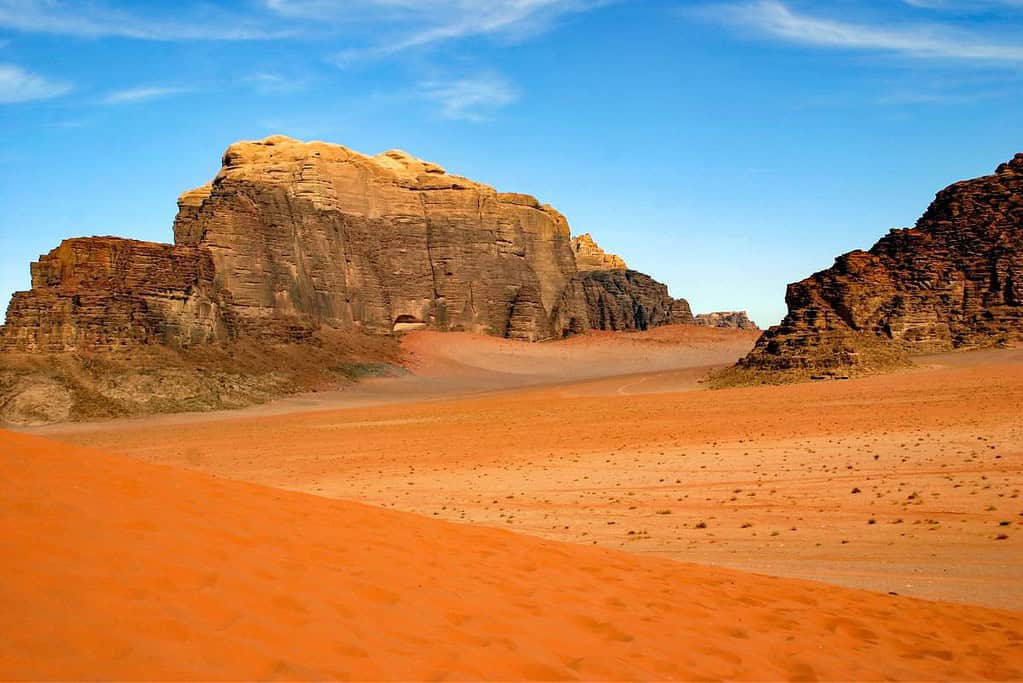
(120, 569)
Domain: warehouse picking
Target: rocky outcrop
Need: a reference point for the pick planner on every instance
(104, 293)
(630, 300)
(736, 320)
(589, 256)
(953, 281)
(290, 237)
(621, 299)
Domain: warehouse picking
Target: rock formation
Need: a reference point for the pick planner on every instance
(290, 236)
(736, 320)
(955, 280)
(621, 299)
(589, 256)
(102, 293)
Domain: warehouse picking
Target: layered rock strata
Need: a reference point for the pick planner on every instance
(954, 280)
(103, 293)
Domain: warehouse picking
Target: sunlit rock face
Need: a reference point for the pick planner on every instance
(291, 236)
(735, 320)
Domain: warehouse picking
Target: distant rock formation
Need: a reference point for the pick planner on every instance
(736, 320)
(589, 256)
(621, 299)
(953, 281)
(292, 236)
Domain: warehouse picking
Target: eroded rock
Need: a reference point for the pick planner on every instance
(953, 281)
(736, 320)
(621, 299)
(293, 236)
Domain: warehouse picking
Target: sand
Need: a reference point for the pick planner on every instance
(118, 569)
(906, 483)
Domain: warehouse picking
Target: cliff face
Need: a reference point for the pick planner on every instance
(621, 299)
(736, 320)
(291, 236)
(105, 292)
(322, 234)
(955, 280)
(629, 300)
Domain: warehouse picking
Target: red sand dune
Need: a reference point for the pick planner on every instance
(114, 568)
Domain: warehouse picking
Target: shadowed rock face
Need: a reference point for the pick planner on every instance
(621, 299)
(291, 236)
(629, 300)
(736, 320)
(955, 280)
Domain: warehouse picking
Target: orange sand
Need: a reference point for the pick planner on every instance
(114, 568)
(907, 483)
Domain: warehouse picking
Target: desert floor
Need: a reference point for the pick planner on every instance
(118, 569)
(907, 483)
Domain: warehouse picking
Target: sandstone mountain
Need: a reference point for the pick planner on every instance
(289, 237)
(736, 320)
(621, 299)
(953, 281)
(301, 246)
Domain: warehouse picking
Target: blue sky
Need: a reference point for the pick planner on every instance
(725, 147)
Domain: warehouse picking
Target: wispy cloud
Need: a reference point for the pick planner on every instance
(777, 20)
(142, 94)
(474, 98)
(404, 23)
(267, 83)
(400, 25)
(19, 85)
(964, 5)
(99, 20)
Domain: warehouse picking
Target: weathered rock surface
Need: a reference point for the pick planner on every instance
(104, 293)
(630, 300)
(955, 280)
(621, 299)
(324, 235)
(736, 320)
(589, 255)
(290, 237)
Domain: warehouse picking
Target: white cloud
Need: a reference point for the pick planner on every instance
(399, 25)
(142, 94)
(406, 23)
(775, 19)
(473, 98)
(99, 20)
(18, 85)
(961, 5)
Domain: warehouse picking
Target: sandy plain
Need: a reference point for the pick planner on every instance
(615, 467)
(907, 483)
